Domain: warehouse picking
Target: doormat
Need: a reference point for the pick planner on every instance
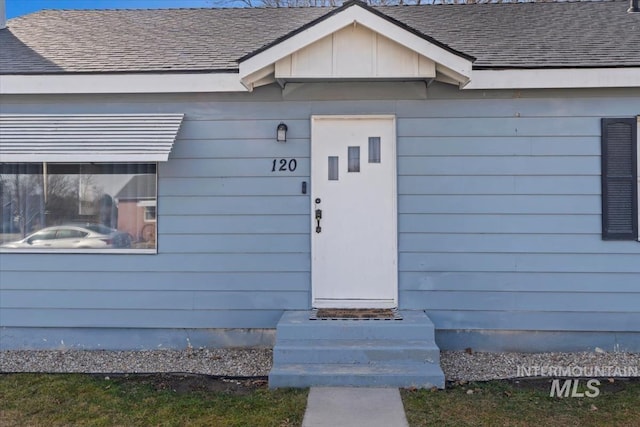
(355, 314)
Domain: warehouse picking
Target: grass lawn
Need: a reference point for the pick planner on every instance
(195, 400)
(175, 400)
(523, 403)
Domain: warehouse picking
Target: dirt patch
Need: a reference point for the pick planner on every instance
(189, 383)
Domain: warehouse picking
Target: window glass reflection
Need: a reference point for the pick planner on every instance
(77, 206)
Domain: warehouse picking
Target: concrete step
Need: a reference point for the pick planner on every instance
(360, 353)
(357, 351)
(415, 325)
(350, 375)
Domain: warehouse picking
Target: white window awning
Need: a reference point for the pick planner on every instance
(87, 137)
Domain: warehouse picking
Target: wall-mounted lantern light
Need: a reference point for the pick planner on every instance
(282, 133)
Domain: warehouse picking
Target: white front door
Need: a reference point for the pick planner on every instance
(354, 212)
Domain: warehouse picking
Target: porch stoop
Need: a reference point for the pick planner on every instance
(356, 353)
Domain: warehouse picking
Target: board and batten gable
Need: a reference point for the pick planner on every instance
(499, 221)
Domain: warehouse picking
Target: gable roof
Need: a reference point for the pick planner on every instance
(376, 11)
(499, 36)
(258, 67)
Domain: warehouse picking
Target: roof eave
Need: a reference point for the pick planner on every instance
(487, 79)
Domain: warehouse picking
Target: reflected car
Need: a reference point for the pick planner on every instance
(73, 236)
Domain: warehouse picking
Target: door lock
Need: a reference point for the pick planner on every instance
(318, 218)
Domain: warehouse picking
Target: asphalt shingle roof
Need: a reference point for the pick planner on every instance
(509, 35)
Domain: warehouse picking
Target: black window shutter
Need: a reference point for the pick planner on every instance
(619, 179)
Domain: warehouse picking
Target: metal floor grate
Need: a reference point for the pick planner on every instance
(355, 314)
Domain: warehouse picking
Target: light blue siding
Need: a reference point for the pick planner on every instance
(512, 243)
(149, 318)
(474, 186)
(499, 219)
(549, 320)
(162, 262)
(506, 261)
(230, 205)
(242, 128)
(120, 281)
(237, 243)
(471, 223)
(497, 126)
(207, 168)
(502, 204)
(471, 165)
(229, 186)
(499, 146)
(599, 302)
(234, 224)
(516, 282)
(159, 300)
(235, 149)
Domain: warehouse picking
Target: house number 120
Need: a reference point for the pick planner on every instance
(283, 165)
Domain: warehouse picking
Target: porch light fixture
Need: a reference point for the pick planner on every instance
(281, 133)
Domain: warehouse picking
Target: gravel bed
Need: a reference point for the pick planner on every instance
(471, 366)
(457, 365)
(224, 362)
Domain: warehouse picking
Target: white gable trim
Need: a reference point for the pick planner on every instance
(566, 78)
(460, 66)
(120, 83)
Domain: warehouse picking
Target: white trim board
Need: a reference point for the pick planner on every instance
(564, 78)
(120, 83)
(570, 78)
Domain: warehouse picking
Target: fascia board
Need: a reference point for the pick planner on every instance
(355, 14)
(120, 83)
(564, 78)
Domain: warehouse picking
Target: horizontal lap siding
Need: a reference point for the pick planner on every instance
(499, 218)
(220, 200)
(233, 236)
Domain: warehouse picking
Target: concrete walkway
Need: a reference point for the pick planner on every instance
(354, 407)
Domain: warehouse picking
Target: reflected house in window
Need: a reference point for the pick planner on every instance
(137, 208)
